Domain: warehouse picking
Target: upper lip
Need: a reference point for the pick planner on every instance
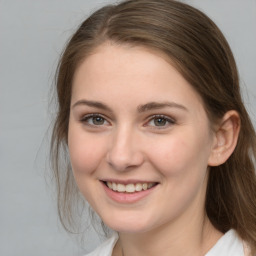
(128, 181)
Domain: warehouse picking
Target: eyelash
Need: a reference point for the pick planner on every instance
(167, 119)
(86, 119)
(170, 121)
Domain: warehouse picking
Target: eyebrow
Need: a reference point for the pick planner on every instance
(94, 104)
(159, 105)
(141, 108)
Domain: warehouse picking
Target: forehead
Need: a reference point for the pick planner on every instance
(109, 56)
(130, 72)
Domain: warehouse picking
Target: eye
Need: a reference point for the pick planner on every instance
(94, 120)
(160, 122)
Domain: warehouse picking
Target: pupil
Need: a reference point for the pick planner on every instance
(98, 120)
(160, 122)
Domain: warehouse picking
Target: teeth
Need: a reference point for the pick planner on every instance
(144, 186)
(121, 188)
(138, 187)
(150, 185)
(109, 184)
(114, 186)
(129, 188)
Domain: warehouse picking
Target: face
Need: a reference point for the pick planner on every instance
(139, 139)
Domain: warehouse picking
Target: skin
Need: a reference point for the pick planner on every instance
(127, 143)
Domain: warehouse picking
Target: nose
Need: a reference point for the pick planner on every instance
(125, 151)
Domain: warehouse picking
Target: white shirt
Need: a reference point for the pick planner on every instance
(228, 245)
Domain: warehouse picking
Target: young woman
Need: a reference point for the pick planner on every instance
(152, 131)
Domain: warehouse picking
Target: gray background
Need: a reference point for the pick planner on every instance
(32, 35)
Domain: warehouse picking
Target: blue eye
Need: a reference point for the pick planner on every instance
(94, 119)
(160, 121)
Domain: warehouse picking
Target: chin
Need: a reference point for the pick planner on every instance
(127, 228)
(128, 224)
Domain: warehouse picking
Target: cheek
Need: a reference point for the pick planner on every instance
(170, 154)
(85, 152)
(180, 154)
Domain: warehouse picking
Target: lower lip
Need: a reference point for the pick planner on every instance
(125, 198)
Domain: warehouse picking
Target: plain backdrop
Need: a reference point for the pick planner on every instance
(32, 35)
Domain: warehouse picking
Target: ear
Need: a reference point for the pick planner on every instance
(225, 138)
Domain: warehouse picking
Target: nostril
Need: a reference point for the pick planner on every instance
(124, 152)
(124, 161)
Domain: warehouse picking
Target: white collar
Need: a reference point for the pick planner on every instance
(228, 245)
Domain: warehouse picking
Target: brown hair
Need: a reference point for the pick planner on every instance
(202, 55)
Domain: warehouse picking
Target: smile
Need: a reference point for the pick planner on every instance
(129, 188)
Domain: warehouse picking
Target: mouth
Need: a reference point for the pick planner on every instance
(129, 188)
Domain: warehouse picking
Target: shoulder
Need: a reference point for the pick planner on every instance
(230, 244)
(106, 248)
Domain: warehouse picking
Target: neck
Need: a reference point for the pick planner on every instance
(193, 239)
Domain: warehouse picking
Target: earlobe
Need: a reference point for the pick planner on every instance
(225, 140)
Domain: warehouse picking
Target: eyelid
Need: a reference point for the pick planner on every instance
(86, 117)
(171, 121)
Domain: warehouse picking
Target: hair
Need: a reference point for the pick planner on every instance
(200, 52)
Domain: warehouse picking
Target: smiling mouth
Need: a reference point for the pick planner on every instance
(129, 188)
